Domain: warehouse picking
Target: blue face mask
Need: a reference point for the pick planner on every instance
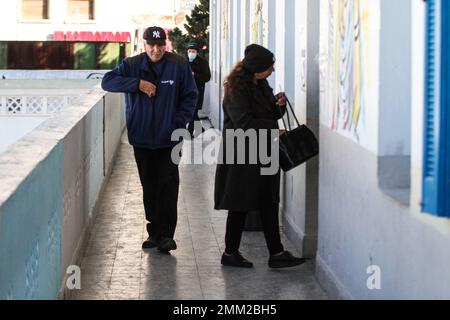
(192, 56)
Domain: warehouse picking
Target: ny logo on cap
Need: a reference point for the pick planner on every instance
(156, 34)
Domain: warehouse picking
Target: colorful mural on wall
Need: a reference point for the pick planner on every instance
(225, 16)
(353, 59)
(258, 24)
(225, 47)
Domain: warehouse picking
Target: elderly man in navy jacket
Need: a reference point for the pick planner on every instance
(161, 96)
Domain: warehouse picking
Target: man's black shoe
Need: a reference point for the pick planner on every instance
(167, 244)
(285, 260)
(150, 243)
(235, 260)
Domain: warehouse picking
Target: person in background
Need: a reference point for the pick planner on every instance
(161, 96)
(202, 74)
(249, 104)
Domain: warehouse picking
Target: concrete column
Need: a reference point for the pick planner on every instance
(300, 196)
(312, 120)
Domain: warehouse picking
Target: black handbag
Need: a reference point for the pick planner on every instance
(296, 145)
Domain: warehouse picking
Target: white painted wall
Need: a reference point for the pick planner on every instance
(245, 24)
(301, 55)
(280, 45)
(214, 87)
(294, 203)
(302, 78)
(235, 30)
(395, 79)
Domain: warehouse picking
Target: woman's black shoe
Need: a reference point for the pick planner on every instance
(285, 260)
(150, 243)
(235, 260)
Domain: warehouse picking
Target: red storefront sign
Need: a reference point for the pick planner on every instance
(104, 36)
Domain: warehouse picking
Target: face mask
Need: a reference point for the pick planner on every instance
(192, 56)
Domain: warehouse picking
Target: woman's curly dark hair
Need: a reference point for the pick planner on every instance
(238, 76)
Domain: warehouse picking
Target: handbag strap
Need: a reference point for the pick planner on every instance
(287, 127)
(288, 118)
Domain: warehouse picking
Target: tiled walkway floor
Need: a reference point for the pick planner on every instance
(115, 266)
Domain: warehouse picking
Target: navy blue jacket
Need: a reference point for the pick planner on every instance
(151, 120)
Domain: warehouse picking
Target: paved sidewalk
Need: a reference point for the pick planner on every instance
(115, 266)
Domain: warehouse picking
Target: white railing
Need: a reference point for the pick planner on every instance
(34, 105)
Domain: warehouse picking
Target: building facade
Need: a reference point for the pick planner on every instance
(38, 20)
(91, 34)
(371, 79)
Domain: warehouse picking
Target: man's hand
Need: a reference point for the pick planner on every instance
(281, 99)
(148, 88)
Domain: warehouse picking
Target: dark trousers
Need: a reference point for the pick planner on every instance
(271, 227)
(191, 126)
(199, 106)
(160, 182)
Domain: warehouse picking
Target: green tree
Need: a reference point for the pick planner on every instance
(197, 28)
(179, 40)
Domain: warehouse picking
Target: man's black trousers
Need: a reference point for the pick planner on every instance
(160, 181)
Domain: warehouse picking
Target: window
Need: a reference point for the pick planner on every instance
(436, 165)
(80, 9)
(34, 9)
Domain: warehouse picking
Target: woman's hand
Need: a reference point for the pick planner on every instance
(281, 99)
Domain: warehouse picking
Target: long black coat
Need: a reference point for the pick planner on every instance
(202, 74)
(241, 187)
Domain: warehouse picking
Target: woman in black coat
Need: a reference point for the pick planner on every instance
(249, 104)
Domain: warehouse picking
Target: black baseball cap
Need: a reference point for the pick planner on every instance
(155, 35)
